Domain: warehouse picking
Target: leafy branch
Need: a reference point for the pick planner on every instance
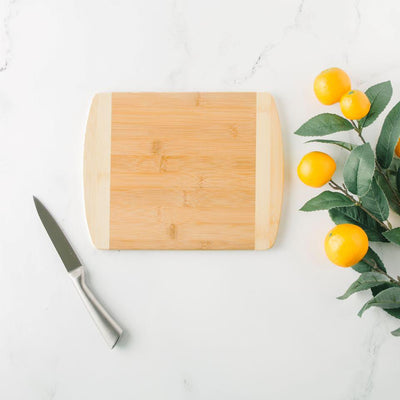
(371, 186)
(376, 268)
(379, 169)
(356, 202)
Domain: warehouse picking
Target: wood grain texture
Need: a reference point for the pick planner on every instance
(183, 171)
(269, 172)
(96, 170)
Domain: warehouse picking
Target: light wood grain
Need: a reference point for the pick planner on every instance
(183, 171)
(96, 170)
(269, 172)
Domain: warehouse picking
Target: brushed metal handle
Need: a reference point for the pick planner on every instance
(107, 326)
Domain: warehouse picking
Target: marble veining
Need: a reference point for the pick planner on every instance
(270, 46)
(373, 343)
(6, 37)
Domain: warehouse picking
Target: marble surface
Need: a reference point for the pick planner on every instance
(200, 325)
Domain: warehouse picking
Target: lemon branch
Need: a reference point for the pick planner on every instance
(356, 202)
(386, 178)
(375, 267)
(372, 264)
(358, 129)
(383, 173)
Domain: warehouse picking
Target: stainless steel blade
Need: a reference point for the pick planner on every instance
(108, 327)
(64, 249)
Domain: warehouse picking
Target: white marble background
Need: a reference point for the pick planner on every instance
(200, 325)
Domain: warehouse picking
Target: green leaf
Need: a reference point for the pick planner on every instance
(388, 138)
(398, 180)
(359, 169)
(356, 216)
(387, 299)
(379, 95)
(394, 312)
(367, 280)
(394, 205)
(393, 235)
(375, 202)
(370, 258)
(324, 124)
(396, 332)
(345, 145)
(327, 200)
(394, 165)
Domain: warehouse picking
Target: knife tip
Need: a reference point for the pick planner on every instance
(36, 200)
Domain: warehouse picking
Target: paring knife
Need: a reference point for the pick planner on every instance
(110, 330)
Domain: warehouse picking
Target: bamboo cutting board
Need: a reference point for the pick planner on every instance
(183, 171)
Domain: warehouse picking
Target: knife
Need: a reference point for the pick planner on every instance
(108, 327)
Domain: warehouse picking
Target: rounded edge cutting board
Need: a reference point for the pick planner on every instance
(183, 170)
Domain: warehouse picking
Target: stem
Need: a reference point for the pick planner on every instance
(385, 177)
(372, 216)
(358, 130)
(378, 167)
(334, 185)
(374, 265)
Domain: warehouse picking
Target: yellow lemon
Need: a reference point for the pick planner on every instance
(355, 104)
(397, 149)
(346, 245)
(330, 85)
(316, 169)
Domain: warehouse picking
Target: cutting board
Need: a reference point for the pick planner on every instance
(183, 170)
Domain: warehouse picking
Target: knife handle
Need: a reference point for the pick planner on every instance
(108, 327)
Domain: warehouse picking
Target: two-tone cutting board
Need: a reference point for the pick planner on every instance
(183, 171)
